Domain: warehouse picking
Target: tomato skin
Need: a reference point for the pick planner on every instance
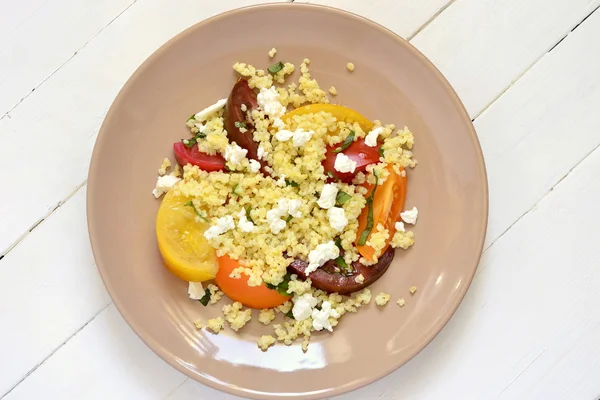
(186, 155)
(358, 151)
(238, 290)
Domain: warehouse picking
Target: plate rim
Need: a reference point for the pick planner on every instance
(170, 358)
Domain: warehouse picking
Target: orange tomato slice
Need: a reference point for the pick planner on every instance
(341, 113)
(388, 203)
(238, 289)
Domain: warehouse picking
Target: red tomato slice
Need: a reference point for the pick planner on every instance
(185, 155)
(358, 151)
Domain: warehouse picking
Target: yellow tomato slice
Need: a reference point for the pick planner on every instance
(185, 251)
(341, 113)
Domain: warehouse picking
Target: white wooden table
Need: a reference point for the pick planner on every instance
(528, 72)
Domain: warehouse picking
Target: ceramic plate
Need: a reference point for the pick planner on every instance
(392, 82)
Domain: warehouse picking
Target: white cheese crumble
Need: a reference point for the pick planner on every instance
(261, 153)
(294, 208)
(223, 225)
(337, 218)
(360, 279)
(278, 123)
(303, 306)
(244, 224)
(410, 216)
(400, 226)
(210, 110)
(320, 255)
(164, 184)
(321, 317)
(328, 196)
(299, 136)
(284, 135)
(343, 163)
(234, 153)
(196, 291)
(268, 101)
(371, 138)
(276, 224)
(254, 165)
(281, 181)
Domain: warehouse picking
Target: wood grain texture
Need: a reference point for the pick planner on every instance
(483, 46)
(33, 45)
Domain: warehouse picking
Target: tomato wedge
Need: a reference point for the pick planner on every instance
(238, 289)
(186, 155)
(388, 203)
(358, 152)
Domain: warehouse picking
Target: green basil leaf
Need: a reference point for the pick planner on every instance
(248, 209)
(347, 142)
(189, 143)
(342, 197)
(342, 264)
(240, 124)
(291, 183)
(338, 242)
(290, 314)
(289, 218)
(192, 117)
(206, 298)
(191, 204)
(275, 68)
(365, 234)
(381, 151)
(283, 287)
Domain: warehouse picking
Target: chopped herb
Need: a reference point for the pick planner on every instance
(338, 242)
(239, 124)
(289, 218)
(275, 68)
(342, 197)
(233, 190)
(191, 204)
(291, 183)
(189, 143)
(283, 287)
(200, 135)
(365, 234)
(192, 117)
(206, 298)
(347, 142)
(290, 314)
(381, 152)
(330, 174)
(342, 264)
(248, 208)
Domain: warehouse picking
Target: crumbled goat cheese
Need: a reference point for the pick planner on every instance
(268, 101)
(196, 291)
(303, 306)
(244, 224)
(320, 255)
(321, 317)
(337, 218)
(299, 136)
(410, 216)
(400, 226)
(223, 225)
(278, 123)
(343, 163)
(261, 153)
(164, 184)
(234, 153)
(254, 165)
(328, 196)
(371, 138)
(210, 110)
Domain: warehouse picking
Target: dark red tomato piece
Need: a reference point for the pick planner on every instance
(358, 151)
(186, 155)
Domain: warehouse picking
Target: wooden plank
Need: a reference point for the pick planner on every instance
(33, 45)
(404, 17)
(483, 46)
(49, 289)
(105, 360)
(57, 139)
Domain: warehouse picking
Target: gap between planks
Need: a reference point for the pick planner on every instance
(533, 65)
